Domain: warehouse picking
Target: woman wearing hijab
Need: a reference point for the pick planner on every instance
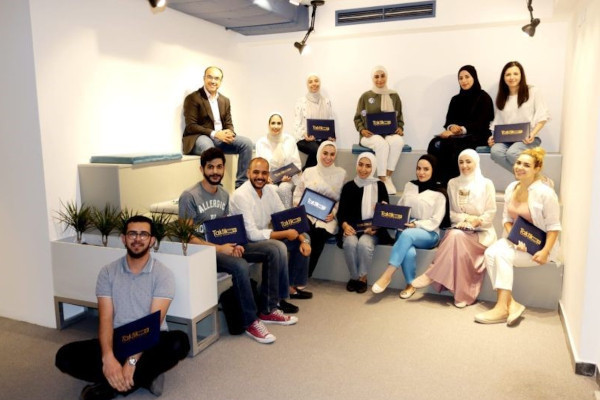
(327, 179)
(387, 149)
(428, 204)
(311, 106)
(357, 204)
(467, 123)
(535, 201)
(459, 263)
(279, 149)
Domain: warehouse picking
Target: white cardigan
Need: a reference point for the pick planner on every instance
(427, 207)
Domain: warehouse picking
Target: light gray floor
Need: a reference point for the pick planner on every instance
(346, 346)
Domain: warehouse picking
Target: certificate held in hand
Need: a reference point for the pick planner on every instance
(321, 129)
(524, 231)
(361, 226)
(136, 336)
(391, 216)
(383, 123)
(293, 218)
(316, 204)
(287, 170)
(511, 132)
(226, 230)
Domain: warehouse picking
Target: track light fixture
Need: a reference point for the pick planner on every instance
(301, 45)
(533, 23)
(157, 3)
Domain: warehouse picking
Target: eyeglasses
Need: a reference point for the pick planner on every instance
(132, 235)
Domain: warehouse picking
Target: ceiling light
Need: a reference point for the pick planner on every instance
(301, 45)
(533, 23)
(157, 3)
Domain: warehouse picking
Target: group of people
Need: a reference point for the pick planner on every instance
(449, 192)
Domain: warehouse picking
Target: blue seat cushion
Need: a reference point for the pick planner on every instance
(482, 149)
(134, 158)
(357, 149)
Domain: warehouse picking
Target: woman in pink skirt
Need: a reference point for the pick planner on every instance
(459, 261)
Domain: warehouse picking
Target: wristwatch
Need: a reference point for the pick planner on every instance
(306, 239)
(132, 361)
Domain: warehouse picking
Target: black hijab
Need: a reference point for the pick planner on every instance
(476, 88)
(435, 185)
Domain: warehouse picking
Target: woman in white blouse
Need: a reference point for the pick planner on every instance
(528, 197)
(516, 102)
(428, 204)
(313, 105)
(458, 264)
(279, 149)
(326, 179)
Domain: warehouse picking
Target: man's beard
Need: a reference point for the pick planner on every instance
(257, 187)
(141, 254)
(212, 182)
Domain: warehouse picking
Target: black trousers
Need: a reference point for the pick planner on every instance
(310, 149)
(83, 360)
(318, 237)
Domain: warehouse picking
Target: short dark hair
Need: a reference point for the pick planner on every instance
(211, 154)
(215, 67)
(140, 218)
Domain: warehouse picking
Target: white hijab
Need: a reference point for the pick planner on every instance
(370, 191)
(316, 107)
(386, 101)
(332, 177)
(474, 182)
(278, 152)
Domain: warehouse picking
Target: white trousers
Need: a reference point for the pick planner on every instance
(500, 258)
(387, 151)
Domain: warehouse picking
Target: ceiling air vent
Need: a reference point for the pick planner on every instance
(395, 12)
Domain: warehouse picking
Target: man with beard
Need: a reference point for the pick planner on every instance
(257, 201)
(127, 289)
(208, 200)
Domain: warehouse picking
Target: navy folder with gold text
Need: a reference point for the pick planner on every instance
(293, 218)
(524, 231)
(316, 204)
(383, 123)
(287, 170)
(226, 230)
(136, 336)
(360, 226)
(511, 132)
(321, 129)
(391, 216)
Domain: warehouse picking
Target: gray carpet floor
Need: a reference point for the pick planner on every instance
(345, 346)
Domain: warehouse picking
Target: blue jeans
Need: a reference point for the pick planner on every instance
(358, 253)
(505, 154)
(404, 251)
(298, 264)
(242, 146)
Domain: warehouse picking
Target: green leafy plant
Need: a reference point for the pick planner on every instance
(160, 221)
(125, 214)
(106, 220)
(182, 230)
(78, 218)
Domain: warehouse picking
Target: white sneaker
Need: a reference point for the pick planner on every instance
(389, 185)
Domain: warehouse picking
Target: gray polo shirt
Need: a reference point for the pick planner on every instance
(132, 294)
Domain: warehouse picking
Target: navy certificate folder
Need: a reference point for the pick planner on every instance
(360, 226)
(289, 170)
(321, 129)
(316, 204)
(524, 231)
(391, 216)
(226, 230)
(511, 132)
(293, 218)
(136, 336)
(383, 123)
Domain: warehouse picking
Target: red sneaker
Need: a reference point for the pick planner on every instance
(259, 332)
(278, 317)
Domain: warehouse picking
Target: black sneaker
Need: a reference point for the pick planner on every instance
(351, 285)
(301, 294)
(287, 308)
(157, 385)
(361, 287)
(98, 391)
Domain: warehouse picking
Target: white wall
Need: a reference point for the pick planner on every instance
(422, 63)
(580, 184)
(25, 292)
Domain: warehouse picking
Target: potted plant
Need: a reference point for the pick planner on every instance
(105, 220)
(160, 221)
(125, 214)
(78, 218)
(182, 230)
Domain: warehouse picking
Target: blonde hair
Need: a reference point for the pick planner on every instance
(537, 153)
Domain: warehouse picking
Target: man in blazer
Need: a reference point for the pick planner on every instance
(208, 124)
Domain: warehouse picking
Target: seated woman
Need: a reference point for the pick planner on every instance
(428, 201)
(279, 149)
(516, 102)
(467, 123)
(326, 179)
(357, 203)
(311, 106)
(458, 262)
(528, 197)
(387, 149)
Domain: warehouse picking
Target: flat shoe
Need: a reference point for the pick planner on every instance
(301, 294)
(361, 287)
(422, 281)
(487, 318)
(351, 285)
(460, 304)
(287, 308)
(515, 315)
(379, 286)
(407, 293)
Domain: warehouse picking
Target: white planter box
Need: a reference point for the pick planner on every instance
(75, 268)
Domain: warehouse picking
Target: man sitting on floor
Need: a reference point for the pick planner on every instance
(127, 289)
(208, 200)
